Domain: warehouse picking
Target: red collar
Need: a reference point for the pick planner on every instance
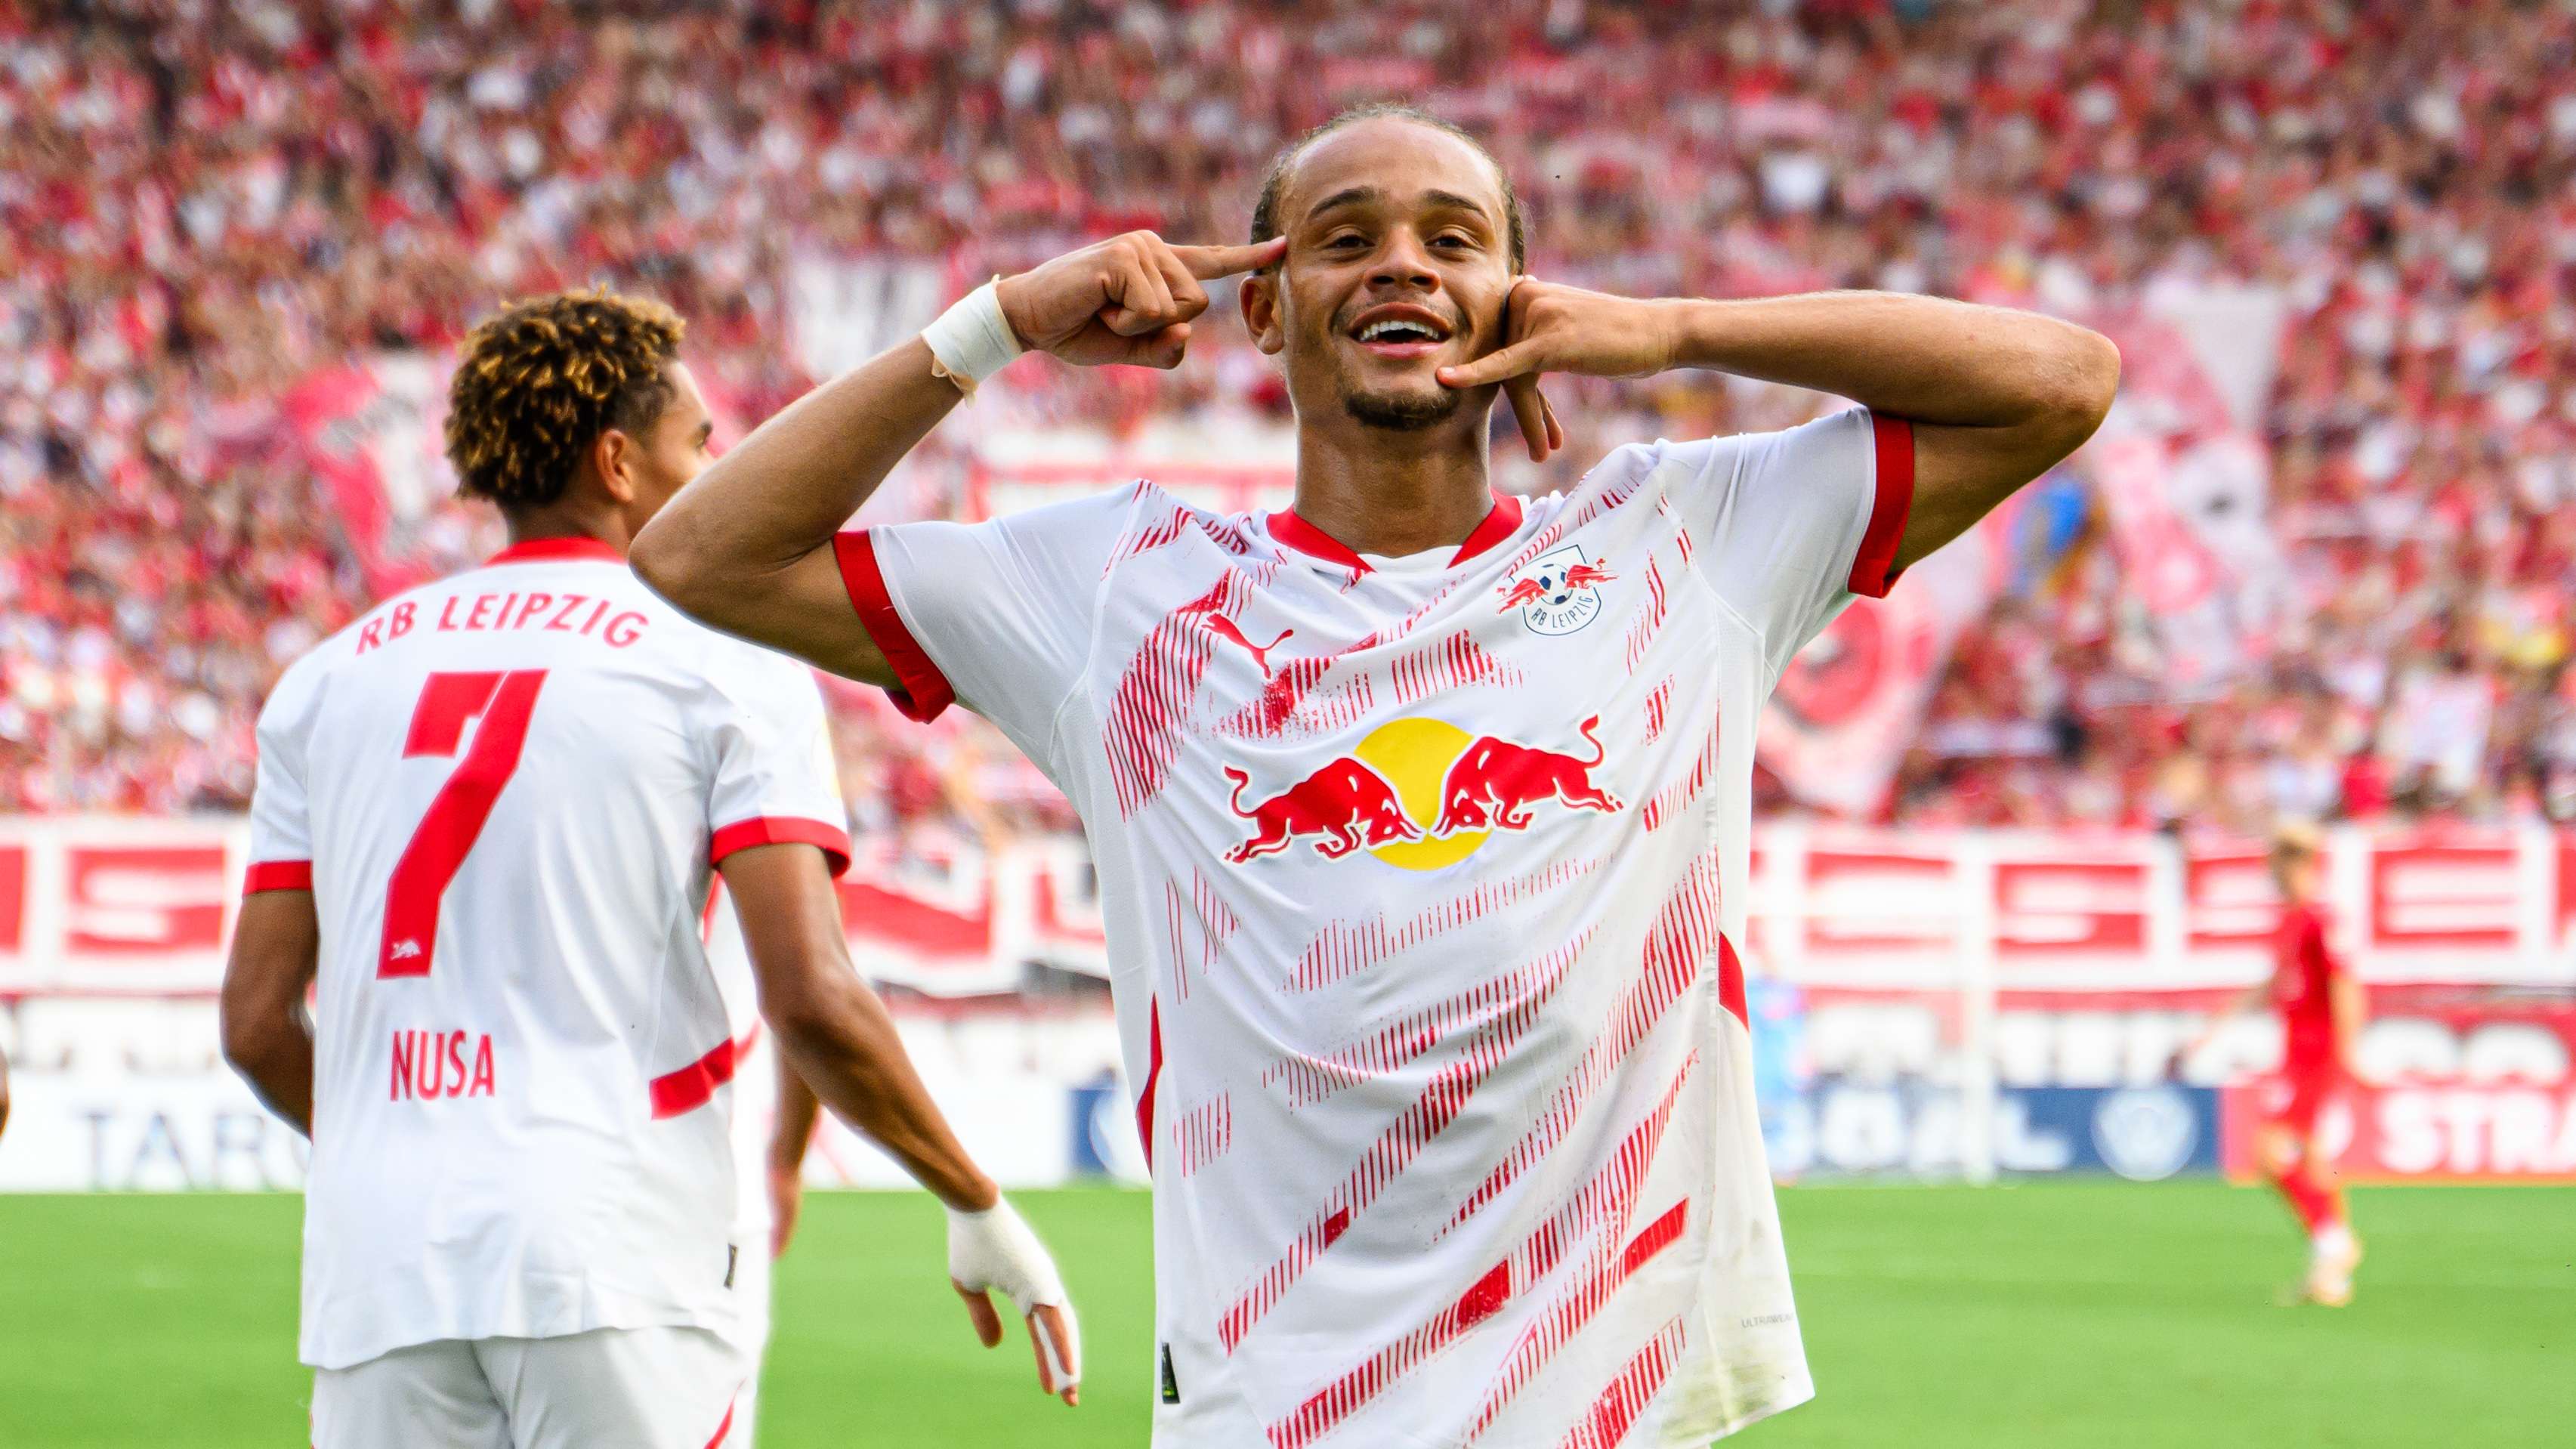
(1500, 523)
(555, 550)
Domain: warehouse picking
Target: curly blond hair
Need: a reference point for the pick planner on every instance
(542, 379)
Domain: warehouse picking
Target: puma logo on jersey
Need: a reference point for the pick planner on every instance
(1225, 628)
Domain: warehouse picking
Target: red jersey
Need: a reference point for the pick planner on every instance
(2303, 973)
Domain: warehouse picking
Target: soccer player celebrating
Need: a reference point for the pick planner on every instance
(1420, 813)
(487, 816)
(2321, 1010)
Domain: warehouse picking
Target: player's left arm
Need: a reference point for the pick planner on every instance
(2242, 1002)
(798, 1110)
(1995, 396)
(267, 1036)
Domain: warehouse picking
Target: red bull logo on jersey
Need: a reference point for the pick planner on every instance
(1556, 592)
(1493, 785)
(1421, 794)
(1346, 805)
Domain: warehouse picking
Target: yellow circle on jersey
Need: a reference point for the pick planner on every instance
(1414, 755)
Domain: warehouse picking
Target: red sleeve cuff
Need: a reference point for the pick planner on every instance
(925, 692)
(1874, 566)
(277, 875)
(782, 830)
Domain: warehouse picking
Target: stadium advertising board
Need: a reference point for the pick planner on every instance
(122, 905)
(2076, 965)
(2428, 1132)
(2144, 1133)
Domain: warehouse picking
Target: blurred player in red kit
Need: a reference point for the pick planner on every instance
(2321, 1010)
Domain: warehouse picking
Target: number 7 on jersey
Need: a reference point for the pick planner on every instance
(448, 703)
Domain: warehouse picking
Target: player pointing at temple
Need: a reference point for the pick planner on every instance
(1421, 879)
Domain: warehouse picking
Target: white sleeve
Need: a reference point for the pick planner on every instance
(281, 828)
(996, 616)
(775, 781)
(1789, 527)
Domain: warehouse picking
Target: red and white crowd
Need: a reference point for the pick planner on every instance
(208, 203)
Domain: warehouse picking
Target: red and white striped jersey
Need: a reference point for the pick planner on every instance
(507, 792)
(1420, 876)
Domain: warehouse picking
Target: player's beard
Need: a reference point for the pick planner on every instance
(1404, 412)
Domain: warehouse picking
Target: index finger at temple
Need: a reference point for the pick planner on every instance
(1209, 263)
(1189, 299)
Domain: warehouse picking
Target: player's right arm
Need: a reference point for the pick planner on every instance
(277, 937)
(835, 1032)
(268, 1038)
(749, 546)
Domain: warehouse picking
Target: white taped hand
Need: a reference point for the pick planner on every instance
(994, 1250)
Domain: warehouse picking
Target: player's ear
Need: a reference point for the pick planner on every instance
(1259, 296)
(614, 458)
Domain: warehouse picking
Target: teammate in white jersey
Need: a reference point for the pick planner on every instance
(488, 816)
(1420, 813)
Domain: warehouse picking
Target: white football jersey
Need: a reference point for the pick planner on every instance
(507, 792)
(1421, 876)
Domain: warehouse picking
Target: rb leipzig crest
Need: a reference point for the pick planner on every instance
(1556, 592)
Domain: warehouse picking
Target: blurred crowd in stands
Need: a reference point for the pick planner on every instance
(208, 200)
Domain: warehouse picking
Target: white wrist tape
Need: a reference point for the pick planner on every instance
(971, 341)
(995, 1249)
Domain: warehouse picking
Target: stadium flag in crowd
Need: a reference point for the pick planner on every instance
(1838, 725)
(2184, 490)
(328, 420)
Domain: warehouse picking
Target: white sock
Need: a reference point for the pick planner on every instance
(2333, 1238)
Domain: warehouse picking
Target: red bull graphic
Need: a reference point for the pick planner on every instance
(1346, 803)
(1493, 784)
(1557, 592)
(1421, 794)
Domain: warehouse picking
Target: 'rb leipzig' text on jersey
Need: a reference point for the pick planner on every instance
(507, 792)
(1421, 878)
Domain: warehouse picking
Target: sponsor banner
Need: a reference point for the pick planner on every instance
(1103, 1132)
(2501, 1131)
(139, 906)
(2106, 911)
(116, 905)
(144, 1132)
(2107, 1039)
(1909, 1128)
(202, 1130)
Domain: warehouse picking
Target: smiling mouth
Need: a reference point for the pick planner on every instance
(1400, 338)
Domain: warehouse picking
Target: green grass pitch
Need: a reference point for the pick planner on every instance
(2087, 1314)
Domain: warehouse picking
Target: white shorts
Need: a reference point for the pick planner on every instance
(637, 1388)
